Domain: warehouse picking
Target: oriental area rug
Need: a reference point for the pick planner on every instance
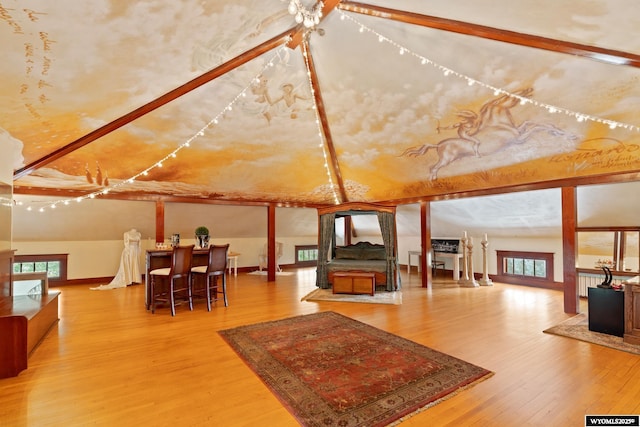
(330, 370)
(380, 297)
(577, 327)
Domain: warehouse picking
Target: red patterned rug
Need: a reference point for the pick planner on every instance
(331, 370)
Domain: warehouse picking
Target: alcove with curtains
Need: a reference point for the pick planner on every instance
(327, 239)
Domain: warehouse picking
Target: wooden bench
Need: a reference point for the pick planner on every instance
(24, 321)
(354, 282)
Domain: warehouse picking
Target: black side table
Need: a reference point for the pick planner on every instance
(606, 311)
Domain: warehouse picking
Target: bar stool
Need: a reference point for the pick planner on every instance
(215, 268)
(178, 273)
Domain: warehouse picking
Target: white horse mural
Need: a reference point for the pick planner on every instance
(493, 125)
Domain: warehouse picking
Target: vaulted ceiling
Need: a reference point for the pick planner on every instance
(383, 101)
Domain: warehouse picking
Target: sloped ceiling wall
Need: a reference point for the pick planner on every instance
(533, 213)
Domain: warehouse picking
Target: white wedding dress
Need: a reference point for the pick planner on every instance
(129, 271)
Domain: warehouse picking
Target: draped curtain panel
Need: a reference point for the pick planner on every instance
(327, 231)
(387, 222)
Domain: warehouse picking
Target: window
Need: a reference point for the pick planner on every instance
(306, 255)
(54, 265)
(613, 247)
(526, 268)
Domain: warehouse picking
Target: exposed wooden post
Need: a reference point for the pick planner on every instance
(348, 226)
(159, 221)
(271, 243)
(569, 250)
(425, 243)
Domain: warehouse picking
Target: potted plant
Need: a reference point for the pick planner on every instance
(202, 236)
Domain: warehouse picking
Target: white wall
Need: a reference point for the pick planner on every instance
(101, 258)
(534, 244)
(91, 232)
(86, 259)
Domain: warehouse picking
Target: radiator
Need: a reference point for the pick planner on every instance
(589, 280)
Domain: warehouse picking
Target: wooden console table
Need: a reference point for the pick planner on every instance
(457, 258)
(354, 282)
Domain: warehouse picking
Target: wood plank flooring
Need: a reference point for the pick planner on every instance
(109, 362)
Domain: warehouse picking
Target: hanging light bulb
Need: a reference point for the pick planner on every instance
(308, 22)
(309, 18)
(293, 8)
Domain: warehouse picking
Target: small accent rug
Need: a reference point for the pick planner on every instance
(264, 273)
(577, 327)
(331, 370)
(380, 297)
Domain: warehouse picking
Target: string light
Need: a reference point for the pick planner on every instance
(580, 117)
(173, 154)
(322, 143)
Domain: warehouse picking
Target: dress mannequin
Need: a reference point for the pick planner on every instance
(129, 271)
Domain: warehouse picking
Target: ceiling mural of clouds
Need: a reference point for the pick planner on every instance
(212, 100)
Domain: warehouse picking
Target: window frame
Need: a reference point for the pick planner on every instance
(521, 279)
(33, 259)
(300, 263)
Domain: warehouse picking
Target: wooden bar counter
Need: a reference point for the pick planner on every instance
(161, 258)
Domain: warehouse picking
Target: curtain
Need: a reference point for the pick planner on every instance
(325, 237)
(387, 221)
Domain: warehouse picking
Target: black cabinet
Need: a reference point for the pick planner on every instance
(606, 311)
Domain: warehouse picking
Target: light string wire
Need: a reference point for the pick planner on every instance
(448, 72)
(321, 135)
(173, 154)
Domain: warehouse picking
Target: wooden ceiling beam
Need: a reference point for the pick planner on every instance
(140, 196)
(326, 129)
(239, 60)
(624, 177)
(608, 56)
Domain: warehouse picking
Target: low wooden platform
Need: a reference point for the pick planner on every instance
(24, 321)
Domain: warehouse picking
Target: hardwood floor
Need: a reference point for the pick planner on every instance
(109, 362)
